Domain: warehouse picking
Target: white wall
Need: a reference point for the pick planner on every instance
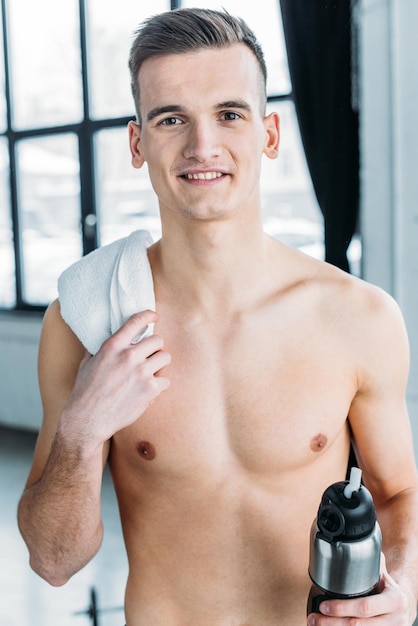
(20, 403)
(389, 136)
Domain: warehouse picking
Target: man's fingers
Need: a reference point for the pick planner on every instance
(390, 602)
(134, 328)
(157, 360)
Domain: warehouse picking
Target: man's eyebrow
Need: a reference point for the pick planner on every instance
(168, 108)
(234, 104)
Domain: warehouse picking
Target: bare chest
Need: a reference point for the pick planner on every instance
(267, 402)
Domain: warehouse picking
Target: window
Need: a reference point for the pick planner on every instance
(49, 193)
(66, 182)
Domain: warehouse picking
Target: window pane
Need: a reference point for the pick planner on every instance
(7, 263)
(45, 62)
(266, 23)
(111, 28)
(125, 198)
(49, 194)
(290, 209)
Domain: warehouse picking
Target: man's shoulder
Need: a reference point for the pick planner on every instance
(334, 293)
(363, 312)
(357, 294)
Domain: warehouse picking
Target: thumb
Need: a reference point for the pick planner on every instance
(134, 328)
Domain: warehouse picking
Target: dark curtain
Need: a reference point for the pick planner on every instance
(319, 39)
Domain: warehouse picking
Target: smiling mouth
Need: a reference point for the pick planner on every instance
(203, 176)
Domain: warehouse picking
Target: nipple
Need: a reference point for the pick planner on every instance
(318, 442)
(146, 450)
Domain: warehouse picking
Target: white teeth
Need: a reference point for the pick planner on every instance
(204, 176)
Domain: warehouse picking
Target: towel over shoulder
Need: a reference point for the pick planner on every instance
(102, 290)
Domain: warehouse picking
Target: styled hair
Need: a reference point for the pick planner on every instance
(185, 30)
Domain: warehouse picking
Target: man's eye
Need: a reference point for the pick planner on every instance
(170, 121)
(230, 115)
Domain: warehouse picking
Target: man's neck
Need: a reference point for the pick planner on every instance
(212, 265)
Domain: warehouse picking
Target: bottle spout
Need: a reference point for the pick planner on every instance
(354, 483)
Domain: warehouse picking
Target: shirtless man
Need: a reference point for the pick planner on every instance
(224, 427)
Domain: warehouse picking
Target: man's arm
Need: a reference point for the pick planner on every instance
(86, 400)
(384, 444)
(384, 450)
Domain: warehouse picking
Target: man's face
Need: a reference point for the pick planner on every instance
(202, 131)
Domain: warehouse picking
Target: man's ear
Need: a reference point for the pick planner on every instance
(272, 127)
(134, 130)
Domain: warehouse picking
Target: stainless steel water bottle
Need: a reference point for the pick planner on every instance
(346, 543)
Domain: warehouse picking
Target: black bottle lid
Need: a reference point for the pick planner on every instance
(346, 513)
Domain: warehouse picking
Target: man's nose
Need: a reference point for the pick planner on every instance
(202, 142)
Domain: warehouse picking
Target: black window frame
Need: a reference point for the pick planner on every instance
(84, 131)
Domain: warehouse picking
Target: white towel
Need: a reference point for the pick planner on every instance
(102, 290)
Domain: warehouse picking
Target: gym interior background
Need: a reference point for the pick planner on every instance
(66, 186)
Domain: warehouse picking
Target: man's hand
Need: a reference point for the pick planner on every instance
(115, 387)
(389, 607)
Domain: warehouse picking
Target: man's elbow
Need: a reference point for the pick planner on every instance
(56, 566)
(56, 557)
(55, 574)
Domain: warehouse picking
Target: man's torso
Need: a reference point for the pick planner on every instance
(219, 481)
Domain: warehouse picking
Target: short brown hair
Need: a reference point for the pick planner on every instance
(184, 30)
